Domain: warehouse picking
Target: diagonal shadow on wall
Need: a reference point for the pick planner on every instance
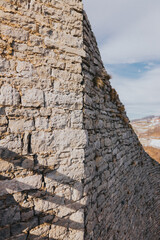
(29, 212)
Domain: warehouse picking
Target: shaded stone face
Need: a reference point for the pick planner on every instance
(71, 167)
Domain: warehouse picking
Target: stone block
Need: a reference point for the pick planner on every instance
(77, 119)
(12, 143)
(40, 231)
(6, 166)
(41, 123)
(9, 96)
(32, 98)
(77, 217)
(58, 121)
(58, 232)
(70, 138)
(20, 184)
(15, 33)
(9, 216)
(43, 205)
(18, 228)
(25, 216)
(50, 42)
(21, 125)
(4, 233)
(22, 236)
(42, 142)
(68, 101)
(3, 120)
(76, 234)
(24, 68)
(4, 64)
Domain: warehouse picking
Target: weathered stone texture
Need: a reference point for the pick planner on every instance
(121, 181)
(71, 167)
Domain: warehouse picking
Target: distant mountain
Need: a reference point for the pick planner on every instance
(144, 118)
(148, 131)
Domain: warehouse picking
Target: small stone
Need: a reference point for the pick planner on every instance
(4, 233)
(77, 119)
(32, 98)
(41, 123)
(25, 216)
(3, 120)
(9, 216)
(18, 126)
(40, 230)
(58, 232)
(20, 184)
(23, 227)
(9, 96)
(42, 141)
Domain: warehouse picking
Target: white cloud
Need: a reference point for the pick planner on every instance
(140, 96)
(127, 30)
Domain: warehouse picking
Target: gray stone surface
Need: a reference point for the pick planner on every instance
(20, 184)
(71, 167)
(9, 96)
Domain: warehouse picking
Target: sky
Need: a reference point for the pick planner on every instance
(128, 36)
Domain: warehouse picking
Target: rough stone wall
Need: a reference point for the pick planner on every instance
(71, 166)
(121, 180)
(42, 141)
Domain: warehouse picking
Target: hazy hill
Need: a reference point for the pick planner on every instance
(148, 131)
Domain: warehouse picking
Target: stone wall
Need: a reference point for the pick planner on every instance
(71, 166)
(42, 137)
(121, 180)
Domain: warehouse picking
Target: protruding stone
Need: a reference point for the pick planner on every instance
(20, 184)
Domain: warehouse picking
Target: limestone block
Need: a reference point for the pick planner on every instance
(32, 98)
(77, 119)
(18, 228)
(74, 171)
(12, 143)
(24, 68)
(76, 234)
(21, 125)
(5, 166)
(9, 96)
(19, 196)
(58, 232)
(70, 100)
(50, 41)
(28, 163)
(4, 65)
(9, 216)
(42, 141)
(58, 121)
(41, 123)
(20, 184)
(64, 211)
(21, 112)
(77, 216)
(45, 112)
(5, 233)
(17, 33)
(3, 120)
(27, 215)
(39, 230)
(70, 138)
(42, 205)
(77, 191)
(78, 154)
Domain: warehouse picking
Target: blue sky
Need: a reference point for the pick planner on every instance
(127, 32)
